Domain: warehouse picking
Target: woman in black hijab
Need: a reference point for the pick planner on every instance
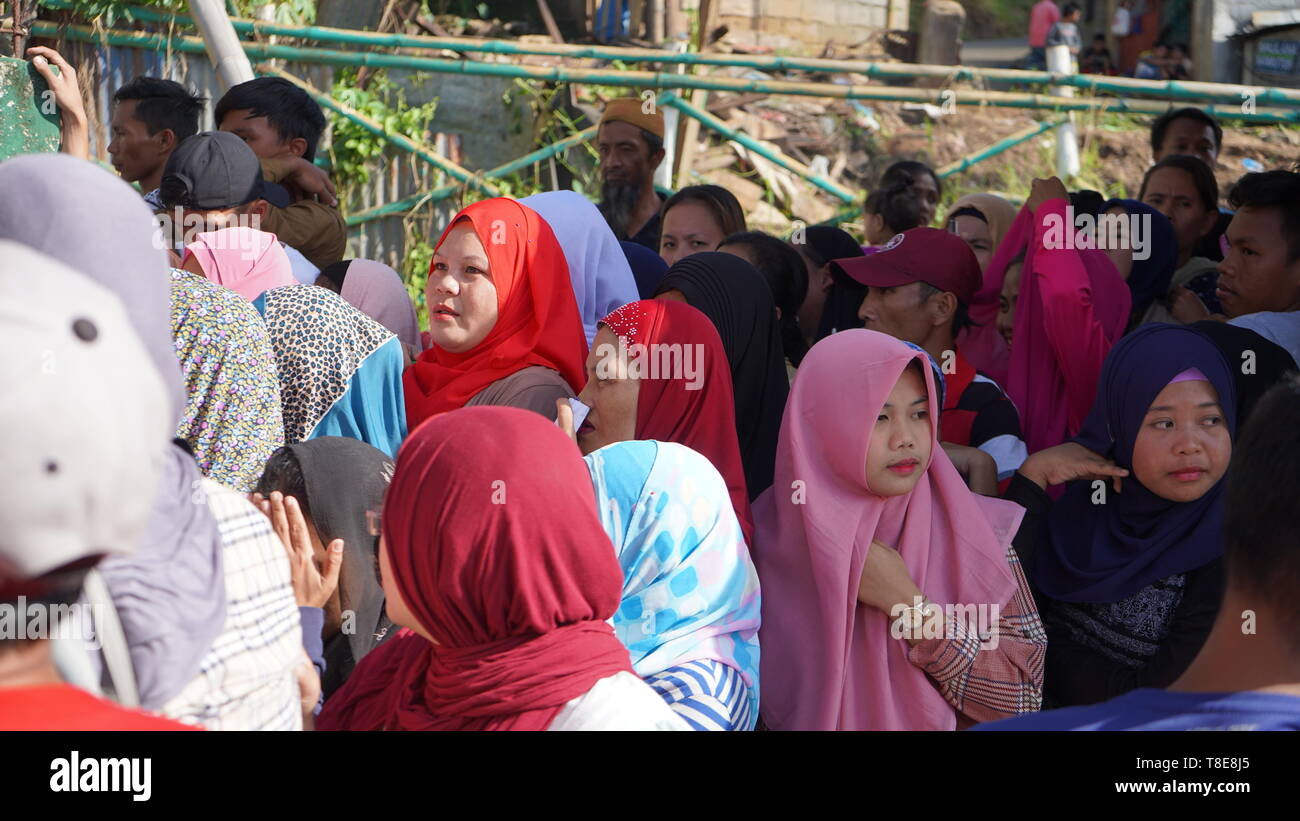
(843, 295)
(735, 297)
(338, 483)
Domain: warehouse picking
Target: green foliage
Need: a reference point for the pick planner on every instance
(353, 148)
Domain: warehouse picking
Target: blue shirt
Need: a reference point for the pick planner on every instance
(1149, 709)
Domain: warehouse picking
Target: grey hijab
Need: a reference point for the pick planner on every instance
(170, 595)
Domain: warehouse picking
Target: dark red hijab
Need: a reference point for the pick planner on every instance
(537, 314)
(669, 410)
(496, 547)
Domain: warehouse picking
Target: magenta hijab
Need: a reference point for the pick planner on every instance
(377, 291)
(829, 662)
(1050, 413)
(245, 260)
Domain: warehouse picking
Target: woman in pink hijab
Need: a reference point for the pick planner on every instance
(245, 260)
(377, 291)
(867, 527)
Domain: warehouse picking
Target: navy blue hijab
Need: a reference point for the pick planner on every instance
(648, 268)
(1149, 278)
(1108, 552)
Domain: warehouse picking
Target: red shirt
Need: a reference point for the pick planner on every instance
(1041, 17)
(64, 707)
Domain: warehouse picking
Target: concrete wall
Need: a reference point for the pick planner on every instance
(806, 25)
(1214, 22)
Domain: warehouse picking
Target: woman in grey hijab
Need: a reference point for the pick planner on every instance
(170, 596)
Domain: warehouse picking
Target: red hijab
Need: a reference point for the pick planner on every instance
(668, 409)
(537, 314)
(512, 578)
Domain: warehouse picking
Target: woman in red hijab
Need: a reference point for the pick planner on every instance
(504, 585)
(504, 327)
(657, 370)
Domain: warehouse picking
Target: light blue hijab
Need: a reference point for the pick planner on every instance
(690, 590)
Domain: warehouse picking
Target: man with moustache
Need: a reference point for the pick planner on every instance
(630, 143)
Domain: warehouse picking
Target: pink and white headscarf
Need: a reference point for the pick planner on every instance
(245, 260)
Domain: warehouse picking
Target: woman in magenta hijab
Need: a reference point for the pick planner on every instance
(866, 528)
(1067, 307)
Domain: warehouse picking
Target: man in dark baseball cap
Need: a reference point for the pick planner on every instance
(213, 180)
(216, 171)
(919, 287)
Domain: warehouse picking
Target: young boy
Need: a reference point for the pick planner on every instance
(151, 116)
(1065, 32)
(1096, 58)
(1259, 277)
(282, 125)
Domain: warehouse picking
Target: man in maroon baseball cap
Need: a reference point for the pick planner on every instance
(919, 287)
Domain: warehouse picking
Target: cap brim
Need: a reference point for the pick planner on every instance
(275, 194)
(872, 272)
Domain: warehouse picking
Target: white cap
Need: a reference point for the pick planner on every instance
(83, 418)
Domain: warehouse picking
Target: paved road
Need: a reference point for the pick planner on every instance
(993, 53)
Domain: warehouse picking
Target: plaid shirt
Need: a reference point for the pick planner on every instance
(246, 681)
(986, 685)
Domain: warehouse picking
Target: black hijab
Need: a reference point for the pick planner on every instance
(344, 479)
(737, 300)
(844, 299)
(1257, 364)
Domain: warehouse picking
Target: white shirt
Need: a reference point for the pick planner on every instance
(618, 702)
(303, 270)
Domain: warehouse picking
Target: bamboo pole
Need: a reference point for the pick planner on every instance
(445, 191)
(1010, 141)
(766, 151)
(648, 79)
(223, 44)
(1188, 91)
(424, 152)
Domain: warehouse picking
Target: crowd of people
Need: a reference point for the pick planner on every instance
(647, 468)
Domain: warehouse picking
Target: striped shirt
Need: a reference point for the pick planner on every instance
(247, 679)
(708, 694)
(992, 683)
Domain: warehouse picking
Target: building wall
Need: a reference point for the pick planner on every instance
(806, 25)
(1220, 19)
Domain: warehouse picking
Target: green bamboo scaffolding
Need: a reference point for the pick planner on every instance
(708, 120)
(424, 152)
(437, 194)
(1010, 141)
(1184, 91)
(658, 80)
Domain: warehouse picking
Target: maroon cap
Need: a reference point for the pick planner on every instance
(930, 255)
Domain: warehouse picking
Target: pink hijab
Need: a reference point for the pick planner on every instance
(828, 662)
(1053, 378)
(245, 260)
(377, 291)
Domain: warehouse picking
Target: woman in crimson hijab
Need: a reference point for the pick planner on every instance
(504, 327)
(658, 370)
(505, 587)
